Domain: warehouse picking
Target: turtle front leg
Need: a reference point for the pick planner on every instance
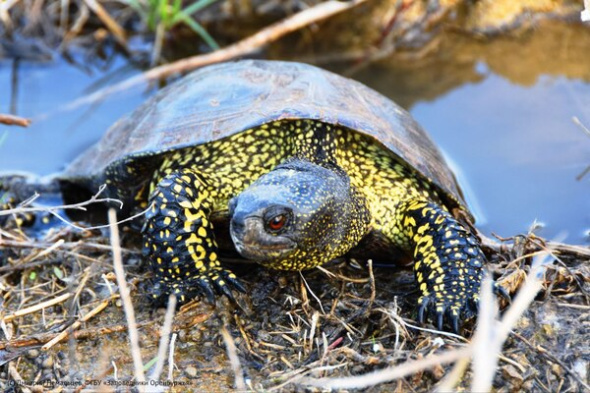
(179, 240)
(448, 261)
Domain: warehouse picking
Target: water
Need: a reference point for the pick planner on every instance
(500, 111)
(55, 137)
(519, 151)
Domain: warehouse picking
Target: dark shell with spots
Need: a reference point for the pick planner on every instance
(224, 99)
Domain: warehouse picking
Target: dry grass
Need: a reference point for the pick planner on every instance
(337, 327)
(62, 318)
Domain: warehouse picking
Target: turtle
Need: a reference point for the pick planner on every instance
(303, 165)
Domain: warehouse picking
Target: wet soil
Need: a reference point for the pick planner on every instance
(345, 320)
(320, 323)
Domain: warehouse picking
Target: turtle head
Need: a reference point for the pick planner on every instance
(295, 217)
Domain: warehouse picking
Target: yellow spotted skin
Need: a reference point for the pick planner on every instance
(389, 198)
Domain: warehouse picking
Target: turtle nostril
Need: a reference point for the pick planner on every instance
(237, 227)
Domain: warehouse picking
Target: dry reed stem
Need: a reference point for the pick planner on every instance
(45, 252)
(485, 349)
(341, 277)
(164, 338)
(66, 245)
(244, 47)
(4, 16)
(64, 14)
(36, 339)
(127, 304)
(317, 299)
(13, 372)
(373, 286)
(387, 374)
(37, 307)
(83, 16)
(493, 337)
(109, 22)
(22, 208)
(234, 360)
(11, 120)
(488, 340)
(171, 357)
(579, 123)
(557, 247)
(66, 333)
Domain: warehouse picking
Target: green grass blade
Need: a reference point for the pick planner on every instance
(200, 30)
(165, 17)
(191, 9)
(153, 6)
(135, 4)
(176, 7)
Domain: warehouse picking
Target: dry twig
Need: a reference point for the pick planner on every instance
(387, 374)
(490, 339)
(164, 338)
(109, 22)
(124, 292)
(232, 354)
(22, 208)
(38, 307)
(244, 47)
(11, 120)
(35, 340)
(66, 333)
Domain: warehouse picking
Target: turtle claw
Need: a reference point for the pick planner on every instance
(455, 323)
(209, 285)
(235, 283)
(453, 311)
(444, 313)
(501, 292)
(422, 309)
(439, 320)
(206, 289)
(219, 281)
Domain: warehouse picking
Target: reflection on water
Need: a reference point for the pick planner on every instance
(501, 110)
(55, 138)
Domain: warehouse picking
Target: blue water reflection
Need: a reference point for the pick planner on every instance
(515, 146)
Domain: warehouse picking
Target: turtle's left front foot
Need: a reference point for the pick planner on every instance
(451, 306)
(449, 265)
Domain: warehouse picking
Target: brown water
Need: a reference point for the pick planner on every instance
(501, 111)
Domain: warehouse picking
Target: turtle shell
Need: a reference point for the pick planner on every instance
(224, 99)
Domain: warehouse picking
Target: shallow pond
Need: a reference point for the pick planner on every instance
(501, 111)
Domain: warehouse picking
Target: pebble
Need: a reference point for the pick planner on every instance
(191, 371)
(47, 362)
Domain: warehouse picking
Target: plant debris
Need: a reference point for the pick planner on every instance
(290, 331)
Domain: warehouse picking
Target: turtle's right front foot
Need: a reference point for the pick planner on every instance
(179, 240)
(217, 281)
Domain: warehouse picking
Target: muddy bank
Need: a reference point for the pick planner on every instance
(346, 319)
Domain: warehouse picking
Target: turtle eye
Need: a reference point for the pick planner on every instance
(277, 222)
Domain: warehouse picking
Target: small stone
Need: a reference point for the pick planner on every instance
(438, 371)
(33, 353)
(557, 370)
(191, 371)
(581, 368)
(283, 282)
(47, 362)
(510, 372)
